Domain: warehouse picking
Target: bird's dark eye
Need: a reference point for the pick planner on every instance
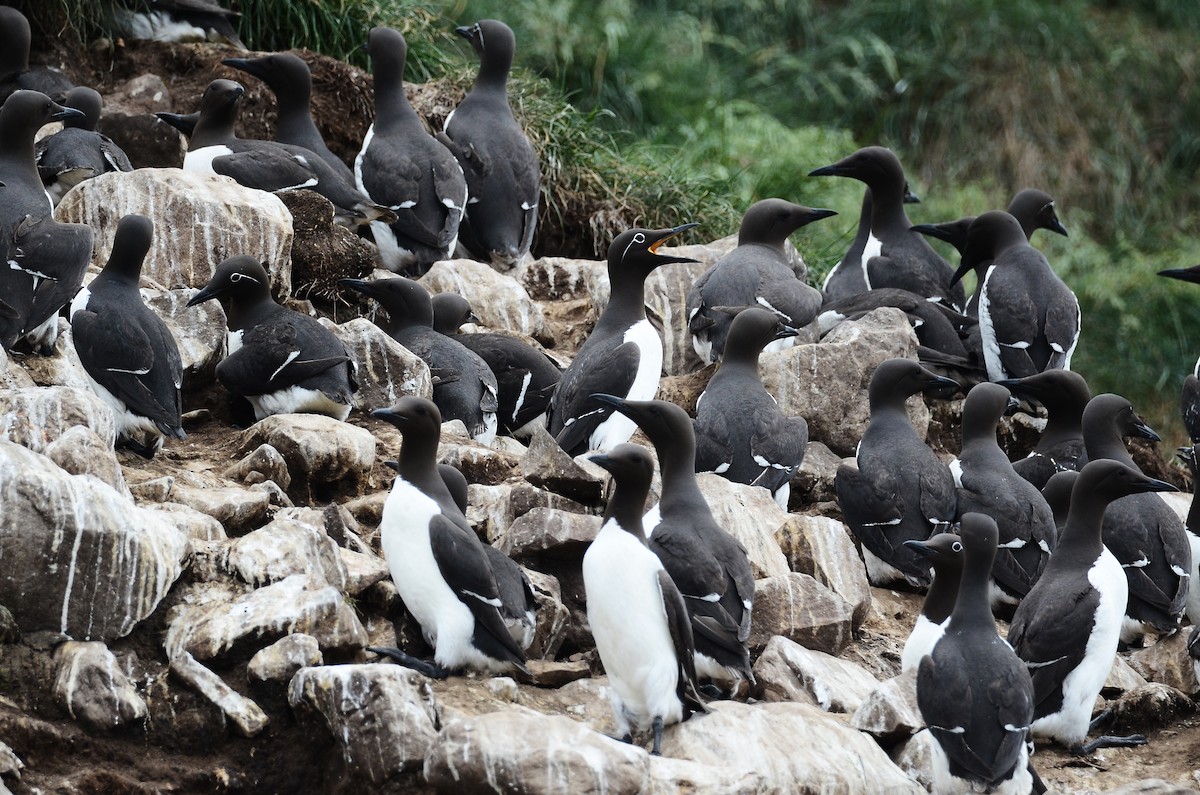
(957, 547)
(235, 278)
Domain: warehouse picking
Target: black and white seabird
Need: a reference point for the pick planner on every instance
(281, 361)
(1191, 457)
(175, 21)
(1189, 403)
(290, 80)
(45, 260)
(185, 123)
(1064, 394)
(623, 354)
(126, 349)
(1028, 318)
(637, 615)
(899, 491)
(939, 328)
(475, 606)
(404, 168)
(988, 484)
(501, 166)
(895, 255)
(525, 376)
(267, 165)
(973, 691)
(944, 551)
(78, 151)
(1142, 531)
(741, 434)
(464, 386)
(1067, 627)
(15, 72)
(707, 565)
(756, 273)
(848, 277)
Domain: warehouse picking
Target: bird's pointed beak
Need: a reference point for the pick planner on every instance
(784, 331)
(602, 460)
(817, 213)
(392, 465)
(662, 236)
(1191, 274)
(389, 415)
(608, 400)
(909, 196)
(62, 113)
(920, 547)
(964, 267)
(209, 292)
(834, 170)
(1144, 431)
(358, 285)
(1153, 484)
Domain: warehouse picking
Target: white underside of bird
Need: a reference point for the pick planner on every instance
(617, 428)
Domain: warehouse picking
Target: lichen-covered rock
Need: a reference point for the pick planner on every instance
(290, 544)
(822, 547)
(246, 715)
(199, 220)
(387, 371)
(93, 689)
(498, 300)
(319, 450)
(826, 382)
(891, 713)
(80, 451)
(786, 671)
(802, 610)
(59, 532)
(749, 514)
(797, 748)
(382, 718)
(283, 658)
(36, 417)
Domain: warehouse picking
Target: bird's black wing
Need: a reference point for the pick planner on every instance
(272, 358)
(778, 445)
(55, 256)
(574, 416)
(945, 693)
(1051, 636)
(269, 168)
(680, 628)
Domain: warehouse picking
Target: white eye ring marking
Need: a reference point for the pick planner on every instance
(237, 277)
(957, 547)
(640, 237)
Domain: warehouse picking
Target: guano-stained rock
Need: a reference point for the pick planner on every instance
(387, 371)
(288, 545)
(80, 451)
(93, 689)
(498, 300)
(749, 514)
(319, 450)
(821, 547)
(282, 659)
(262, 463)
(247, 716)
(60, 532)
(546, 532)
(890, 713)
(802, 610)
(548, 466)
(786, 671)
(36, 417)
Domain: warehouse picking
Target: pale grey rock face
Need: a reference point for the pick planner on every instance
(750, 515)
(260, 464)
(479, 464)
(387, 371)
(1121, 678)
(199, 332)
(813, 482)
(92, 688)
(498, 300)
(319, 450)
(80, 451)
(1167, 662)
(291, 544)
(802, 610)
(214, 621)
(549, 533)
(237, 509)
(246, 715)
(63, 367)
(915, 757)
(363, 569)
(195, 525)
(547, 466)
(821, 547)
(890, 713)
(787, 671)
(786, 744)
(666, 306)
(552, 616)
(10, 764)
(208, 218)
(283, 658)
(61, 528)
(382, 718)
(36, 417)
(826, 382)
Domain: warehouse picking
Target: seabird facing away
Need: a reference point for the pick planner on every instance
(623, 354)
(78, 152)
(637, 616)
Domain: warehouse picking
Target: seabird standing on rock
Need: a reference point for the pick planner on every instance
(1068, 626)
(973, 691)
(757, 272)
(1142, 531)
(1189, 404)
(988, 484)
(899, 491)
(525, 377)
(15, 71)
(78, 151)
(289, 78)
(1191, 457)
(741, 434)
(126, 349)
(623, 354)
(267, 165)
(501, 166)
(281, 361)
(404, 168)
(1028, 318)
(637, 615)
(464, 386)
(902, 257)
(944, 552)
(469, 605)
(1064, 394)
(45, 260)
(848, 277)
(707, 565)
